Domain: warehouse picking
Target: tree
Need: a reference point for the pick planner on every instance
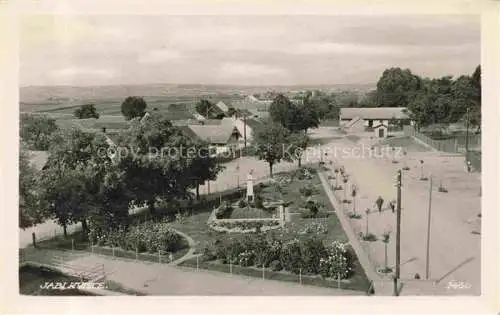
(203, 166)
(305, 116)
(159, 166)
(76, 176)
(299, 142)
(133, 106)
(269, 144)
(205, 108)
(396, 87)
(281, 110)
(86, 111)
(30, 210)
(36, 131)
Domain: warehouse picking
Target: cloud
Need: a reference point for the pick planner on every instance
(322, 48)
(75, 72)
(240, 69)
(159, 56)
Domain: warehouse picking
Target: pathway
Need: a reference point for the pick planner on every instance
(163, 279)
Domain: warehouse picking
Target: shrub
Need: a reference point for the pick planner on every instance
(312, 252)
(275, 265)
(246, 258)
(291, 256)
(338, 261)
(308, 190)
(224, 210)
(316, 228)
(258, 202)
(242, 203)
(208, 254)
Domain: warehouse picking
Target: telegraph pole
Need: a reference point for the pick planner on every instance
(398, 233)
(245, 125)
(428, 229)
(467, 140)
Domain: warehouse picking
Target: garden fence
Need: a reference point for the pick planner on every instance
(453, 145)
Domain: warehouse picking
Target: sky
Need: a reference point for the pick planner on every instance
(242, 50)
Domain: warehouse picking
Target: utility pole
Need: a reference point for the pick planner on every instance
(467, 139)
(398, 233)
(428, 229)
(245, 124)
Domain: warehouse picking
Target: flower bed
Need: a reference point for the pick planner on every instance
(309, 256)
(244, 225)
(147, 237)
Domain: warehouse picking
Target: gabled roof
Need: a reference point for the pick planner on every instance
(222, 106)
(380, 125)
(386, 113)
(254, 124)
(215, 134)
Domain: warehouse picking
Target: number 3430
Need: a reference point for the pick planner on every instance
(458, 285)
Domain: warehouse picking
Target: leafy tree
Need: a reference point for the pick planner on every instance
(86, 111)
(208, 109)
(270, 144)
(396, 87)
(202, 166)
(159, 166)
(75, 179)
(281, 110)
(36, 131)
(30, 209)
(133, 106)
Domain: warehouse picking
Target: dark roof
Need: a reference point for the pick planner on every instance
(254, 124)
(374, 112)
(218, 134)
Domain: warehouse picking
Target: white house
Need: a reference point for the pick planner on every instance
(376, 119)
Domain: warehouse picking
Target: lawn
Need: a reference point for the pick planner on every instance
(249, 213)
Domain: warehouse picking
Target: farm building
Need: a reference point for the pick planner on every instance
(223, 137)
(377, 119)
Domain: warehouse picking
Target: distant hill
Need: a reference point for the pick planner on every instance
(75, 94)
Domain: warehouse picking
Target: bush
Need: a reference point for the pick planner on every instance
(242, 203)
(291, 256)
(246, 258)
(308, 190)
(258, 202)
(224, 210)
(312, 252)
(275, 265)
(208, 254)
(147, 237)
(338, 262)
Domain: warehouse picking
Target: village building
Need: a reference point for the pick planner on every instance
(222, 138)
(373, 119)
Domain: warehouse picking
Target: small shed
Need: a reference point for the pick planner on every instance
(380, 130)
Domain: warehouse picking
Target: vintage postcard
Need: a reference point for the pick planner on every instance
(267, 152)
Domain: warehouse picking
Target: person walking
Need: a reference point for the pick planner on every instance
(379, 202)
(392, 206)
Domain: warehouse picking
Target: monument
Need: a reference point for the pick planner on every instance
(250, 196)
